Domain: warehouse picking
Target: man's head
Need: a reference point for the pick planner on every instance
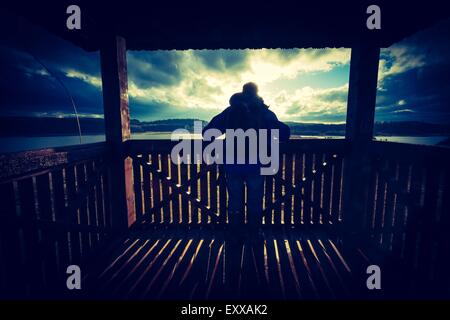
(250, 89)
(236, 100)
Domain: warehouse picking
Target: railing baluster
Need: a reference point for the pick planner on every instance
(49, 237)
(184, 201)
(213, 187)
(137, 181)
(99, 202)
(298, 168)
(147, 185)
(194, 189)
(222, 194)
(307, 211)
(268, 196)
(389, 206)
(204, 187)
(14, 280)
(74, 245)
(175, 177)
(317, 194)
(156, 187)
(401, 211)
(32, 254)
(428, 225)
(337, 190)
(59, 196)
(92, 210)
(83, 208)
(277, 212)
(288, 213)
(166, 190)
(327, 189)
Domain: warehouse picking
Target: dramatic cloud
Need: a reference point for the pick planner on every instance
(414, 78)
(308, 101)
(207, 78)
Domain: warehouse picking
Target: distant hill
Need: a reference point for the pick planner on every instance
(400, 128)
(168, 125)
(311, 129)
(40, 126)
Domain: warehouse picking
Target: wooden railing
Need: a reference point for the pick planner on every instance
(407, 206)
(307, 190)
(56, 206)
(54, 212)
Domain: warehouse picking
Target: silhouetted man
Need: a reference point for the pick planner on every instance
(246, 111)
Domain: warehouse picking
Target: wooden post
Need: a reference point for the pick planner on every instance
(117, 130)
(359, 131)
(362, 93)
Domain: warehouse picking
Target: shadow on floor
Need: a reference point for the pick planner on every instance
(168, 265)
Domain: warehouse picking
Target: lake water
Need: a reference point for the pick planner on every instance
(14, 144)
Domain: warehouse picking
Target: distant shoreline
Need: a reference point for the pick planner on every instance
(54, 127)
(170, 132)
(16, 144)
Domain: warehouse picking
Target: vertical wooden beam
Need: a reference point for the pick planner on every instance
(362, 93)
(117, 130)
(359, 131)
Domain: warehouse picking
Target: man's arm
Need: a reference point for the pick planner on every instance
(274, 123)
(218, 122)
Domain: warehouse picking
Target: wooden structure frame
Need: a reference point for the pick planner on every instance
(61, 204)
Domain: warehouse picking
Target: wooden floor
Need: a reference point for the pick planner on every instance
(201, 265)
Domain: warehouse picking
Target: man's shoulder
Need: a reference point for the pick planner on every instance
(269, 113)
(222, 115)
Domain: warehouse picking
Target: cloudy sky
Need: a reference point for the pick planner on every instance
(307, 85)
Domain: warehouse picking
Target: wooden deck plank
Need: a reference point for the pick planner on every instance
(138, 286)
(120, 287)
(171, 265)
(175, 272)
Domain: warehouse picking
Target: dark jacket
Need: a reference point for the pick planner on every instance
(246, 113)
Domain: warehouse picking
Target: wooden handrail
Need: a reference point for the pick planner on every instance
(410, 153)
(25, 163)
(133, 147)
